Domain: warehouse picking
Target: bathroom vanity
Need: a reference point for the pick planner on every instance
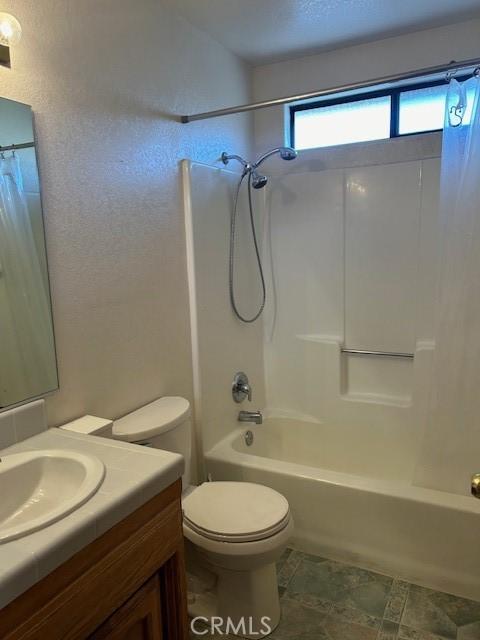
(129, 583)
(125, 578)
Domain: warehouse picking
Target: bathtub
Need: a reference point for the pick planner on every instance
(358, 506)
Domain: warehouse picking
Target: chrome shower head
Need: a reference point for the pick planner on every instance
(287, 153)
(258, 180)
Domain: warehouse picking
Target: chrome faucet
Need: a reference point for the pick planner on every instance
(250, 416)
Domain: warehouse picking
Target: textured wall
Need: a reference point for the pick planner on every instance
(102, 78)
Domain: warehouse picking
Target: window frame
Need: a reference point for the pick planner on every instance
(393, 92)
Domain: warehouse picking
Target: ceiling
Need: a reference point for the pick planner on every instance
(262, 31)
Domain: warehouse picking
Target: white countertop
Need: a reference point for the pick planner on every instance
(133, 475)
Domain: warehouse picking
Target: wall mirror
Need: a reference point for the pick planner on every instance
(27, 348)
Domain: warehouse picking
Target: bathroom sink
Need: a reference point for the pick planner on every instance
(41, 487)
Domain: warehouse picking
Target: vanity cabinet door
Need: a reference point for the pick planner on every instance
(138, 619)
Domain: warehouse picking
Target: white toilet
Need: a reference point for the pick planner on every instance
(235, 531)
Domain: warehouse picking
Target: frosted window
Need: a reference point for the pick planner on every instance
(400, 112)
(343, 123)
(423, 109)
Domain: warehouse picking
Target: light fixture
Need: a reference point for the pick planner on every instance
(10, 30)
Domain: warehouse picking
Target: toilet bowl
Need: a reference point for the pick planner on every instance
(237, 531)
(234, 531)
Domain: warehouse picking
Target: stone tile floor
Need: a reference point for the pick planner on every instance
(326, 600)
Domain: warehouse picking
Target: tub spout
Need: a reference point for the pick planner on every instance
(250, 416)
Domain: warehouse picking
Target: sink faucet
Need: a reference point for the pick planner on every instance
(250, 416)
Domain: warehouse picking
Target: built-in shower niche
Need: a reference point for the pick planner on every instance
(388, 380)
(342, 383)
(386, 403)
(380, 379)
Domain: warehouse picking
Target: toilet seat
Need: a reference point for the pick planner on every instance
(235, 511)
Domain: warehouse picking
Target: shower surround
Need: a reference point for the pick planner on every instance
(351, 251)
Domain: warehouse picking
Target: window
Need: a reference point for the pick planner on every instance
(421, 110)
(343, 123)
(375, 115)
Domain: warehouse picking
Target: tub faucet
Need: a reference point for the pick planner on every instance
(250, 416)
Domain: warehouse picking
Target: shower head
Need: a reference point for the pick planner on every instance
(287, 153)
(258, 180)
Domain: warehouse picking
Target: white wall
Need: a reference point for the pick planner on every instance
(354, 264)
(103, 79)
(353, 64)
(222, 344)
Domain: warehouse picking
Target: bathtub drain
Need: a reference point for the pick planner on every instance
(248, 438)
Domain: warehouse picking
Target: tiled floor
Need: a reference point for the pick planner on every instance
(326, 600)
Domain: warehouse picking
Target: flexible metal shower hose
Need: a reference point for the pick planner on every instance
(231, 274)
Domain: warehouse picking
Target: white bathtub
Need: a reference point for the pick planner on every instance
(355, 505)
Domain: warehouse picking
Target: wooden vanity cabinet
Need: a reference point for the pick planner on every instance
(129, 584)
(140, 618)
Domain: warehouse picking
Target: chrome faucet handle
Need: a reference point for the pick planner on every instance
(241, 388)
(245, 389)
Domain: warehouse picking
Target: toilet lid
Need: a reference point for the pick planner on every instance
(235, 511)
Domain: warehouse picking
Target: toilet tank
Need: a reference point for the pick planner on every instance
(162, 424)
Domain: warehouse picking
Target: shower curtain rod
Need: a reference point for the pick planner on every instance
(15, 147)
(407, 75)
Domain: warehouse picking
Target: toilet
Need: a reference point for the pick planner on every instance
(234, 531)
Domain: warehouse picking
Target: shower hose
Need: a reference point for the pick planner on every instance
(247, 173)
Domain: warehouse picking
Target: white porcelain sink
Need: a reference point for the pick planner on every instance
(40, 487)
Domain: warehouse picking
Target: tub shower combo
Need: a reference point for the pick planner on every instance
(326, 306)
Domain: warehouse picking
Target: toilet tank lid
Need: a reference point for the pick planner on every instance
(153, 419)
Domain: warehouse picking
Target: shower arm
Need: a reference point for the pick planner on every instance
(225, 158)
(265, 156)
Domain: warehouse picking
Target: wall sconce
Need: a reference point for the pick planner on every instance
(10, 34)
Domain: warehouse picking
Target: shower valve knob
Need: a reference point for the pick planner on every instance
(241, 387)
